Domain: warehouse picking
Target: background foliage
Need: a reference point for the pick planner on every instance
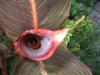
(84, 41)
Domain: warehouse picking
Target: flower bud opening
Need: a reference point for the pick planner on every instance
(33, 41)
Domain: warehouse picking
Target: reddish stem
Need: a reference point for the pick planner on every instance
(34, 14)
(42, 68)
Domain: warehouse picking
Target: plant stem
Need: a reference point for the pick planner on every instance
(77, 23)
(42, 68)
(34, 14)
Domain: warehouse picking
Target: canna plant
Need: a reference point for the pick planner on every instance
(20, 21)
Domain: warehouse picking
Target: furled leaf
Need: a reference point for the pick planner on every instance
(39, 45)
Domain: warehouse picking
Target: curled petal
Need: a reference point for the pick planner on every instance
(39, 45)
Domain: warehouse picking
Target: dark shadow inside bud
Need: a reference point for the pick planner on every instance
(33, 41)
(1, 72)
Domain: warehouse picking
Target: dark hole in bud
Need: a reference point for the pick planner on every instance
(1, 72)
(33, 41)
